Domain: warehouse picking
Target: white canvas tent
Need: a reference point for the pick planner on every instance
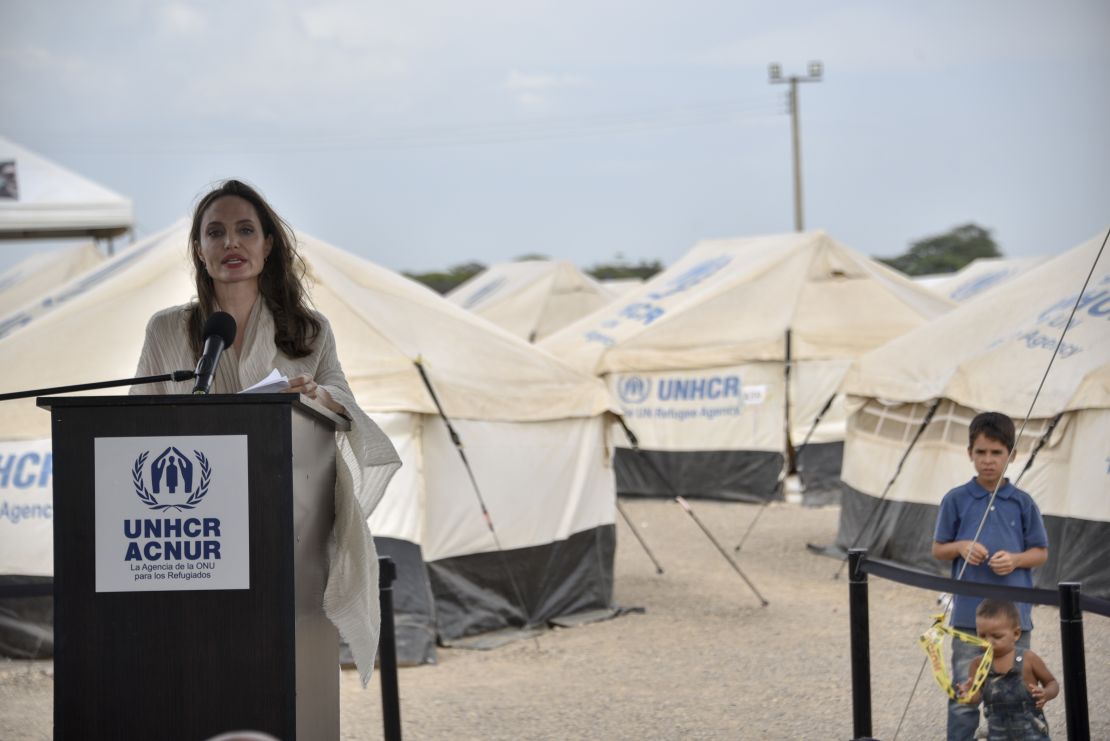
(534, 431)
(531, 298)
(42, 200)
(990, 355)
(697, 358)
(932, 281)
(42, 272)
(622, 286)
(983, 275)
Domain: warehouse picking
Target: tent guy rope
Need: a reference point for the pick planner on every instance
(634, 442)
(457, 441)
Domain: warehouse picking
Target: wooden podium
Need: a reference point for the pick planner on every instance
(177, 658)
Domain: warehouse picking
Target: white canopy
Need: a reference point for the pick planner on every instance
(982, 275)
(532, 298)
(731, 301)
(697, 358)
(40, 199)
(43, 272)
(92, 329)
(992, 353)
(622, 286)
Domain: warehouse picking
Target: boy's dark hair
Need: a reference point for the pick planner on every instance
(995, 425)
(990, 608)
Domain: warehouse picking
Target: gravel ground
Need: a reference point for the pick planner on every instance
(704, 662)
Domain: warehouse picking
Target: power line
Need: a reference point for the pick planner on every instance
(460, 135)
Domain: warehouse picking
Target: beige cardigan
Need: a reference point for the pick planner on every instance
(366, 460)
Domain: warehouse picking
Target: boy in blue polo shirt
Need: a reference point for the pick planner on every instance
(1012, 542)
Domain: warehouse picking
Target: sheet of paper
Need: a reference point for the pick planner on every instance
(271, 384)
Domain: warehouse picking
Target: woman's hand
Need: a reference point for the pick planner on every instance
(304, 384)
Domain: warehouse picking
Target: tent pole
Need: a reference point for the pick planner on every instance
(790, 461)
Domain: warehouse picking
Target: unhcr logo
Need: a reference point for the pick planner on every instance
(633, 389)
(171, 474)
(697, 389)
(687, 280)
(157, 544)
(483, 293)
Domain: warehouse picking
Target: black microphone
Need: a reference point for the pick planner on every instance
(219, 333)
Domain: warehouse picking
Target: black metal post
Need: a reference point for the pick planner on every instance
(861, 644)
(387, 652)
(1075, 669)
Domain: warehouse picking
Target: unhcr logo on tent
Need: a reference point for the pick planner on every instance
(695, 389)
(83, 285)
(691, 277)
(483, 293)
(646, 312)
(633, 389)
(638, 389)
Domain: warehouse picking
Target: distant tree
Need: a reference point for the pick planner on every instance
(945, 253)
(531, 256)
(621, 269)
(443, 282)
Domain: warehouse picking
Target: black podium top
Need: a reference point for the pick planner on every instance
(297, 401)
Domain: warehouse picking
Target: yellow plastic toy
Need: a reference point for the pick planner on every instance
(932, 641)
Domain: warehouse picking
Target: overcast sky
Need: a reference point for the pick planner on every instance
(426, 134)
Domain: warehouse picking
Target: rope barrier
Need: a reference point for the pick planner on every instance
(1068, 599)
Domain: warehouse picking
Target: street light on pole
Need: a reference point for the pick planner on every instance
(814, 72)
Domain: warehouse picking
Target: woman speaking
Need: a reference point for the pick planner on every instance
(246, 264)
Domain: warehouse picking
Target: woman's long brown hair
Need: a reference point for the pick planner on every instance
(295, 326)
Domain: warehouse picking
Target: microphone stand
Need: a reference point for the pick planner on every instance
(179, 375)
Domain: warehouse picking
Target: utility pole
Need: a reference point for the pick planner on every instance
(814, 73)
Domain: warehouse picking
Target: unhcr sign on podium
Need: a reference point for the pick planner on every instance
(190, 559)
